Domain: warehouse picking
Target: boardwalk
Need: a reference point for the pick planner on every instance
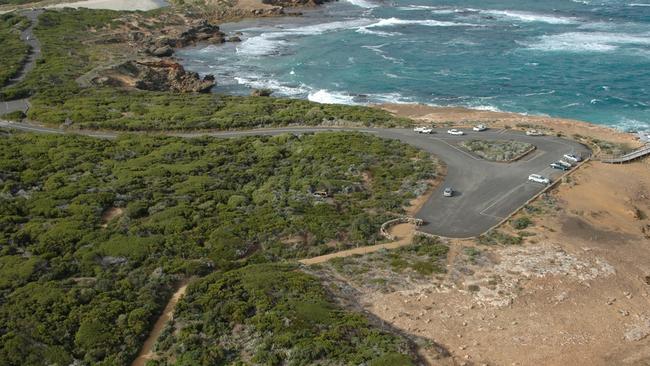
(636, 154)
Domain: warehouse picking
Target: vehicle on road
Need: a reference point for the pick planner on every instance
(559, 166)
(539, 179)
(479, 128)
(534, 133)
(454, 131)
(426, 130)
(572, 157)
(567, 164)
(448, 192)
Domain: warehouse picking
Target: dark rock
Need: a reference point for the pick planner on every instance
(164, 51)
(136, 36)
(261, 92)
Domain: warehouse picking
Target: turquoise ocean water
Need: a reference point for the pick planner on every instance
(582, 59)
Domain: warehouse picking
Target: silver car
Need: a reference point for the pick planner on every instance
(448, 192)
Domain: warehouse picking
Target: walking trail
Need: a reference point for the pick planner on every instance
(146, 352)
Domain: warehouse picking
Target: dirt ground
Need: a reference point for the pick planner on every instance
(110, 214)
(577, 291)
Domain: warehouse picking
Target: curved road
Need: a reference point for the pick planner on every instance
(486, 192)
(28, 37)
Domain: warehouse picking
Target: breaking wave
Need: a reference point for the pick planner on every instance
(588, 41)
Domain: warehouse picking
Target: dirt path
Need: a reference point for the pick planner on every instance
(403, 233)
(146, 352)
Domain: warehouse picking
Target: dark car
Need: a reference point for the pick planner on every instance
(559, 166)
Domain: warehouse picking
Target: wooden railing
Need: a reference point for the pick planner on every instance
(641, 152)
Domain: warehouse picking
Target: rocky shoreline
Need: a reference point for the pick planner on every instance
(149, 63)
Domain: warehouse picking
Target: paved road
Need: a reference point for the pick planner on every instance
(28, 37)
(487, 192)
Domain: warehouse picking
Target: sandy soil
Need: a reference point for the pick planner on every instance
(146, 352)
(110, 214)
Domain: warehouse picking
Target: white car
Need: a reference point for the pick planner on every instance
(539, 179)
(534, 133)
(571, 157)
(423, 130)
(454, 131)
(448, 192)
(565, 163)
(479, 128)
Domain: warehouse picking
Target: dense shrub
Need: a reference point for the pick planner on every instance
(74, 287)
(281, 316)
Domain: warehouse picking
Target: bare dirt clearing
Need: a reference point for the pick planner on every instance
(111, 214)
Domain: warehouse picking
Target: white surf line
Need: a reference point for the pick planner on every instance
(504, 196)
(456, 148)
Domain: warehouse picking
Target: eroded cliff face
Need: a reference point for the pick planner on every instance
(154, 75)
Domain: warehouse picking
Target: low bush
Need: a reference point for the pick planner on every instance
(497, 150)
(521, 223)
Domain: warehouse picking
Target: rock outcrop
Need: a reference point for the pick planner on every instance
(155, 75)
(164, 45)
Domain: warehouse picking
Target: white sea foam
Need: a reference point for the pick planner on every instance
(363, 4)
(392, 22)
(263, 45)
(393, 98)
(540, 93)
(271, 42)
(629, 124)
(570, 105)
(638, 4)
(378, 50)
(418, 7)
(529, 17)
(328, 97)
(485, 108)
(328, 27)
(588, 41)
(260, 82)
(365, 30)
